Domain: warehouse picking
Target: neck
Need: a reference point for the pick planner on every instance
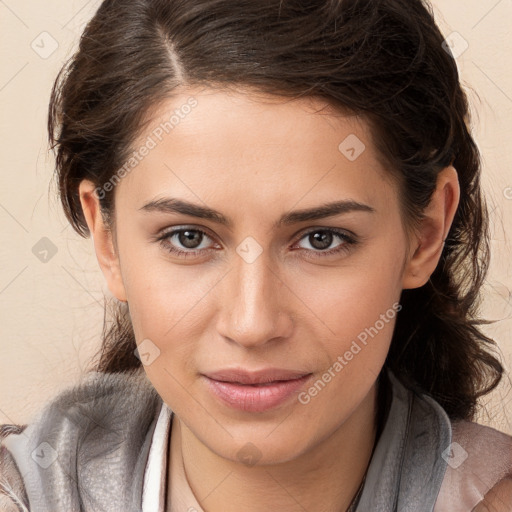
(326, 477)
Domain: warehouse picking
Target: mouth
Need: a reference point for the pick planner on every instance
(255, 396)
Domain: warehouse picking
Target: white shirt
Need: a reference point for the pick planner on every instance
(153, 492)
(154, 487)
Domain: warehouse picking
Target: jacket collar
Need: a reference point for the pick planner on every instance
(407, 468)
(88, 448)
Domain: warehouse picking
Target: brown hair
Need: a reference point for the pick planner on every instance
(383, 60)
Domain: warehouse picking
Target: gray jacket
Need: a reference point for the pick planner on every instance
(88, 448)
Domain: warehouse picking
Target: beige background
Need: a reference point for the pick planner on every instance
(52, 312)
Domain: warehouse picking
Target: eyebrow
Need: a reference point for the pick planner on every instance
(174, 205)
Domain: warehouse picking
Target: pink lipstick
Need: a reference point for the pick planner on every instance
(255, 391)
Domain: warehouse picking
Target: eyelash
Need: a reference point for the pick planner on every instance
(349, 242)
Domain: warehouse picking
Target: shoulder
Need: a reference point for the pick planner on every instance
(478, 471)
(13, 497)
(89, 425)
(97, 400)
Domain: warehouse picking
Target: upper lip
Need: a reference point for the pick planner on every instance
(266, 375)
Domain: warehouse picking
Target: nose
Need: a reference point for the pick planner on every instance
(254, 304)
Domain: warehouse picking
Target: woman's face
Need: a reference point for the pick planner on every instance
(261, 283)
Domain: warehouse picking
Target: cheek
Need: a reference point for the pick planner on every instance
(160, 294)
(360, 314)
(352, 298)
(357, 306)
(168, 317)
(165, 303)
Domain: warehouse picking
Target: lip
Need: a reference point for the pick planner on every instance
(255, 391)
(263, 376)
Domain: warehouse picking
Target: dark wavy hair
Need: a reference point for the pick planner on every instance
(382, 60)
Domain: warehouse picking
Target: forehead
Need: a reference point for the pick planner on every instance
(250, 147)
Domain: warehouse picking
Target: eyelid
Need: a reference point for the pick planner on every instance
(172, 230)
(339, 231)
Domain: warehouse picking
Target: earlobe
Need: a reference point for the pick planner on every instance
(431, 237)
(102, 238)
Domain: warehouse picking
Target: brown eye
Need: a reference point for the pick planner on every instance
(321, 239)
(185, 242)
(189, 238)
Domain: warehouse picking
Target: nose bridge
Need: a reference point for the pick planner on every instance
(255, 313)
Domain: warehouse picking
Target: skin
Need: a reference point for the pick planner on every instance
(498, 499)
(254, 158)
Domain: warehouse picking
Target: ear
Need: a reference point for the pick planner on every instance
(103, 243)
(429, 239)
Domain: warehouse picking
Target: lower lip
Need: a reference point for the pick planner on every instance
(255, 398)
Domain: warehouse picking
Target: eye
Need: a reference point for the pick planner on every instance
(322, 238)
(187, 242)
(188, 238)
